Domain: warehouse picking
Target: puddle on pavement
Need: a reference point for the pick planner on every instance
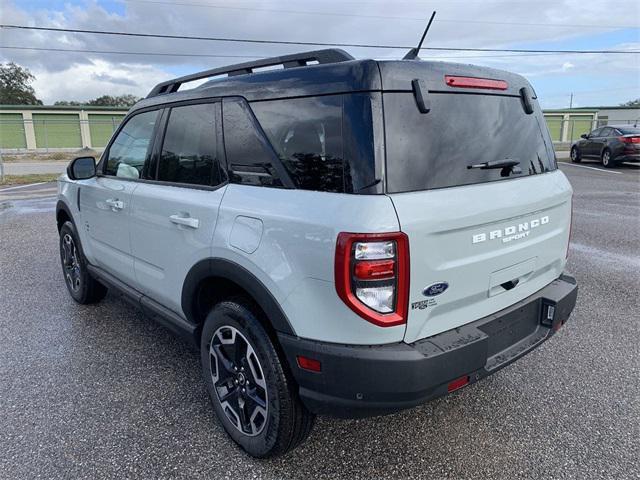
(25, 207)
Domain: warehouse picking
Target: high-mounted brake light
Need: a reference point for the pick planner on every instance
(372, 275)
(475, 82)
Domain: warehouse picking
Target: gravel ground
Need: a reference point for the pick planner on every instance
(103, 392)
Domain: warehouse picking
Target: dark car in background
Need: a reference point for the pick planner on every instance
(610, 144)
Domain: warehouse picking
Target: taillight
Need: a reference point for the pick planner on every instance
(629, 139)
(372, 275)
(475, 82)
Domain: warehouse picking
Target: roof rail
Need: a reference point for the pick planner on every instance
(330, 55)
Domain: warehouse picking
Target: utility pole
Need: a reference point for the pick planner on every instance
(571, 101)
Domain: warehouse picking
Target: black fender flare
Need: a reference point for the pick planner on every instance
(62, 206)
(219, 267)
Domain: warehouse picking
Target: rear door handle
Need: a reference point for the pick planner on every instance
(186, 221)
(115, 204)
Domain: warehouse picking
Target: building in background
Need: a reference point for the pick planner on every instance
(567, 124)
(45, 128)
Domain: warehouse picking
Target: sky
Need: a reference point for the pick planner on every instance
(594, 79)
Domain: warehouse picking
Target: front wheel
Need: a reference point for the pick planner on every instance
(575, 155)
(607, 161)
(82, 287)
(253, 394)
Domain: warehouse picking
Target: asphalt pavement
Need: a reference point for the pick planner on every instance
(30, 168)
(103, 392)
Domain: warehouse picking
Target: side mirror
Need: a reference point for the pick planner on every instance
(82, 168)
(584, 135)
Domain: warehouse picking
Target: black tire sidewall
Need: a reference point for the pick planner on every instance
(242, 317)
(82, 295)
(577, 158)
(611, 162)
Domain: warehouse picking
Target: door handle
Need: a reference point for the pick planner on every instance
(186, 221)
(115, 204)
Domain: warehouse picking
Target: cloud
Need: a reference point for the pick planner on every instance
(73, 75)
(87, 81)
(105, 77)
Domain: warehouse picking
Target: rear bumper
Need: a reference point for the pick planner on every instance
(360, 381)
(628, 157)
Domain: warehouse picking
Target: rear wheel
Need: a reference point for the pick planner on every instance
(82, 287)
(575, 155)
(253, 394)
(607, 161)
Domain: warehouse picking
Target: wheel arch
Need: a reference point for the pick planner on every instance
(213, 279)
(63, 214)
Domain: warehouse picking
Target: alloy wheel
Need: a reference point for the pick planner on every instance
(238, 379)
(70, 263)
(606, 158)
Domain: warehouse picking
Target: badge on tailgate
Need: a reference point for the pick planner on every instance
(512, 232)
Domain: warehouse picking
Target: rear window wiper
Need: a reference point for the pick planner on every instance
(507, 166)
(506, 163)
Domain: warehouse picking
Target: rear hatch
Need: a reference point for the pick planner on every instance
(480, 239)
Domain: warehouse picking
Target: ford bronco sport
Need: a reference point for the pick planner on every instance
(337, 236)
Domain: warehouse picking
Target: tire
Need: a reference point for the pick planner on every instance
(575, 155)
(82, 287)
(607, 161)
(236, 347)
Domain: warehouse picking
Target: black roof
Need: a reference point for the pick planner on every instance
(335, 72)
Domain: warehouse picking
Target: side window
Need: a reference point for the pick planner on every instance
(250, 159)
(306, 133)
(597, 132)
(132, 146)
(190, 148)
(607, 132)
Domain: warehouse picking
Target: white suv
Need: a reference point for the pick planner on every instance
(337, 236)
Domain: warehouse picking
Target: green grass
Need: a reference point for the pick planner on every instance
(48, 157)
(26, 179)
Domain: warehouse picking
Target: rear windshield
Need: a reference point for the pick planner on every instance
(434, 150)
(629, 130)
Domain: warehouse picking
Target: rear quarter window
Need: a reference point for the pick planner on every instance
(325, 142)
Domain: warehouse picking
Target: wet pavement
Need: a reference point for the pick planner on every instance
(103, 392)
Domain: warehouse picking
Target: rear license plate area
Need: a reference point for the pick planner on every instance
(509, 329)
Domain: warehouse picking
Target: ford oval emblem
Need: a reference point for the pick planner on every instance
(435, 289)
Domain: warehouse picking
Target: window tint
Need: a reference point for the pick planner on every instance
(250, 159)
(606, 132)
(597, 132)
(306, 133)
(131, 147)
(189, 150)
(434, 150)
(629, 130)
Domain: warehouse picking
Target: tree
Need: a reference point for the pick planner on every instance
(68, 103)
(127, 100)
(631, 103)
(15, 88)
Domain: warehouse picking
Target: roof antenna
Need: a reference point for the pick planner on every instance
(413, 53)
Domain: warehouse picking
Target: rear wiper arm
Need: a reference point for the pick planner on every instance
(507, 166)
(506, 163)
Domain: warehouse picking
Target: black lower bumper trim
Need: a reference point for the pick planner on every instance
(360, 381)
